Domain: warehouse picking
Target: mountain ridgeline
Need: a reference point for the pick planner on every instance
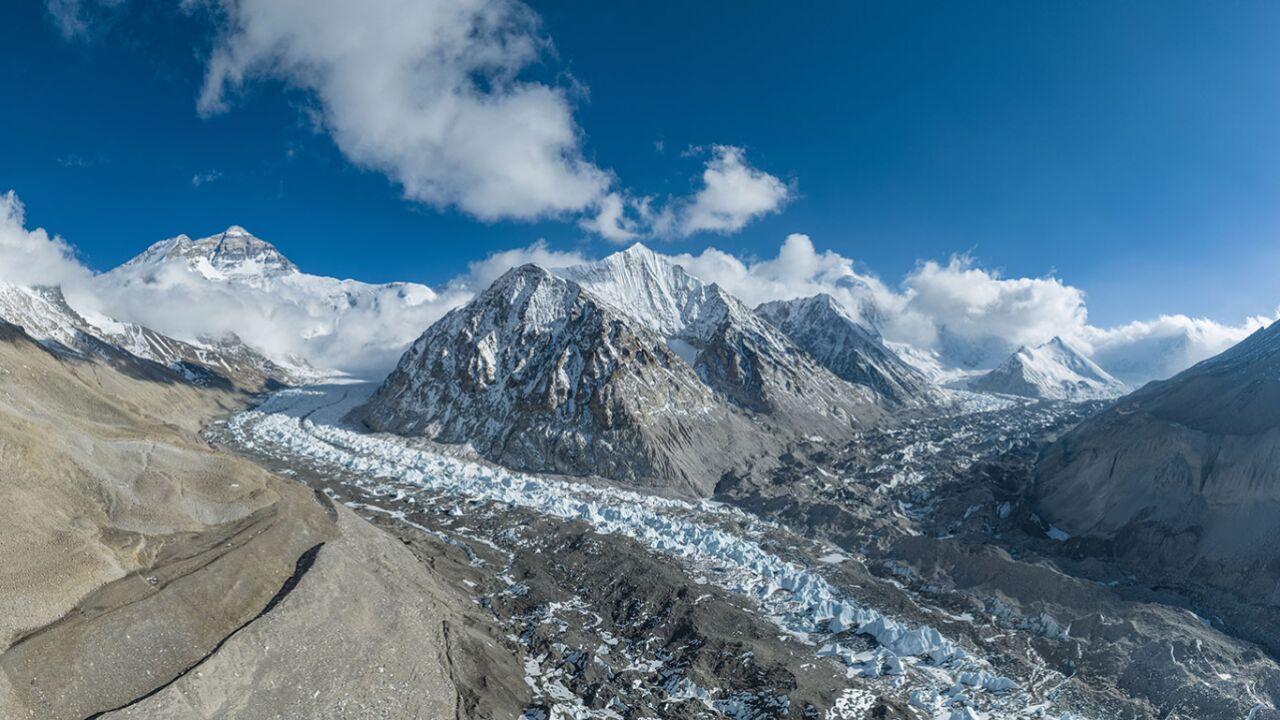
(1182, 479)
(1052, 371)
(631, 369)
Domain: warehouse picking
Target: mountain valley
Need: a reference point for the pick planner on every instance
(611, 490)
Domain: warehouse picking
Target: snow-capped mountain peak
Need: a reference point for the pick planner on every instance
(236, 282)
(234, 253)
(824, 328)
(1054, 370)
(646, 286)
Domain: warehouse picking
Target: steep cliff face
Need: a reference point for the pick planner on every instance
(539, 375)
(829, 333)
(1184, 475)
(739, 355)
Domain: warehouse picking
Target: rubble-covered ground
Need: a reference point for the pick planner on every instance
(897, 576)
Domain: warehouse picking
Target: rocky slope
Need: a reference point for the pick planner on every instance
(538, 374)
(1052, 371)
(823, 328)
(148, 575)
(737, 353)
(1182, 478)
(628, 369)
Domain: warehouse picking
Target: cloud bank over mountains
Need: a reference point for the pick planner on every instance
(963, 313)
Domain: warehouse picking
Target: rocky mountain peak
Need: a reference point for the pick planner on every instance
(232, 253)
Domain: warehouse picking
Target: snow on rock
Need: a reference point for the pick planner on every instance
(1052, 371)
(539, 375)
(45, 315)
(234, 282)
(305, 424)
(737, 353)
(820, 326)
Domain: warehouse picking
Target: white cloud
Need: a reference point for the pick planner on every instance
(611, 222)
(33, 257)
(959, 310)
(733, 194)
(436, 95)
(74, 18)
(345, 325)
(1145, 350)
(978, 316)
(799, 270)
(482, 273)
(425, 91)
(968, 315)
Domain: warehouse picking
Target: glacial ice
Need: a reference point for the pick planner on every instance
(305, 423)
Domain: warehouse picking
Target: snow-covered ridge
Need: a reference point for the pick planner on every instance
(233, 253)
(46, 316)
(1055, 371)
(628, 368)
(234, 282)
(538, 374)
(826, 330)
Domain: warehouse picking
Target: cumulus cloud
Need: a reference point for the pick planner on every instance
(34, 257)
(733, 193)
(1144, 350)
(611, 222)
(966, 316)
(428, 92)
(979, 317)
(798, 270)
(437, 96)
(958, 313)
(482, 273)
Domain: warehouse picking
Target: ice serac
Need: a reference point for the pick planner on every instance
(539, 375)
(820, 326)
(1052, 371)
(738, 354)
(282, 312)
(1184, 477)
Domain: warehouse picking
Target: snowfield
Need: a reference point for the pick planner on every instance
(916, 663)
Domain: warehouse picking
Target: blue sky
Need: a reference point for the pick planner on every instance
(1130, 148)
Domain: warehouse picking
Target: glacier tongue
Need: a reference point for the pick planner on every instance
(304, 425)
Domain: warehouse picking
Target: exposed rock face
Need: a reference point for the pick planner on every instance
(539, 375)
(737, 353)
(823, 328)
(233, 252)
(628, 368)
(1052, 371)
(1184, 476)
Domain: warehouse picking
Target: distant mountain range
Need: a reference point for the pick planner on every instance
(632, 369)
(1052, 371)
(237, 292)
(234, 281)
